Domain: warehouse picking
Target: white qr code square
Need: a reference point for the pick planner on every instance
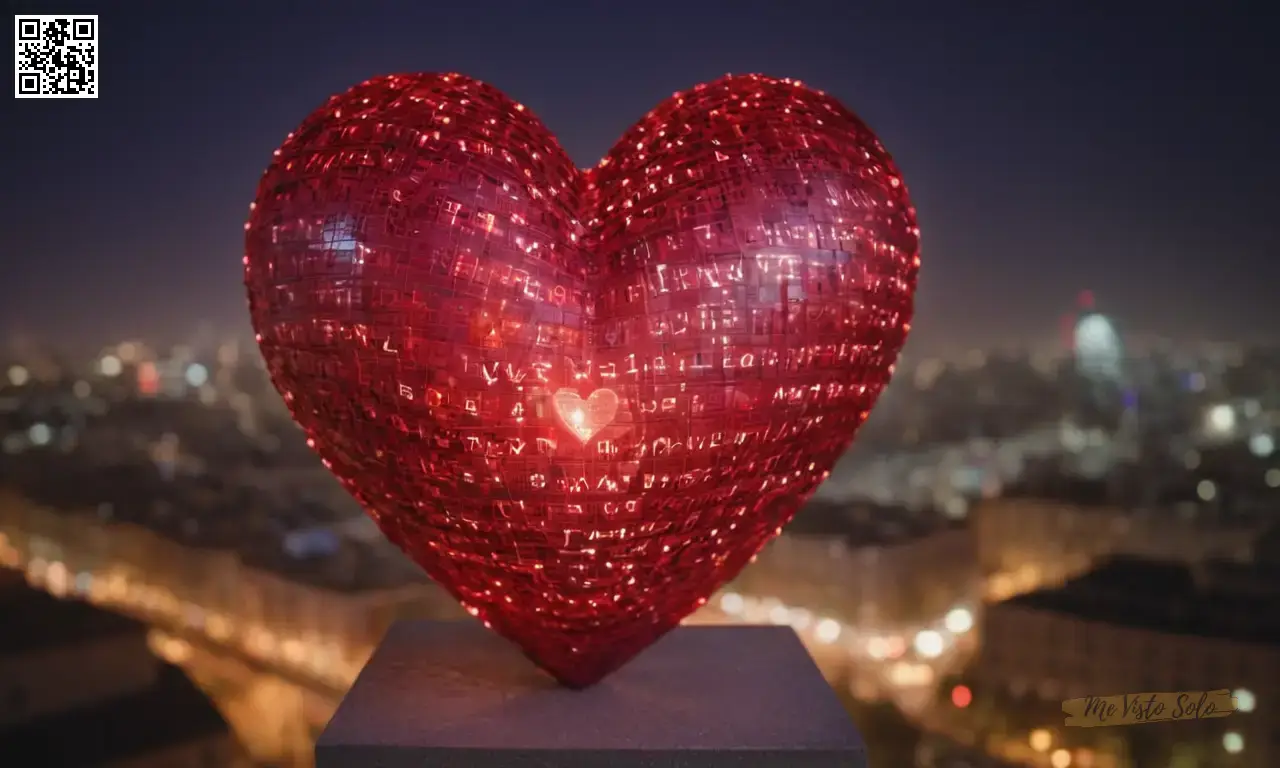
(57, 57)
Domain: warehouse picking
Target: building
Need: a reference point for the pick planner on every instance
(868, 565)
(1098, 351)
(1032, 538)
(1132, 625)
(80, 687)
(319, 616)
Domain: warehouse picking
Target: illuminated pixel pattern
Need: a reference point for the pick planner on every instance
(581, 400)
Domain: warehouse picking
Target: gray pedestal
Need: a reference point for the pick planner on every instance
(454, 695)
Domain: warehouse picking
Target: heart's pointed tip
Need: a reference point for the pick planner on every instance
(579, 675)
(584, 670)
(578, 682)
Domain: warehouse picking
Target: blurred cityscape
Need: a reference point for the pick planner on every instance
(182, 583)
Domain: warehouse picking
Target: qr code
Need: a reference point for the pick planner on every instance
(57, 57)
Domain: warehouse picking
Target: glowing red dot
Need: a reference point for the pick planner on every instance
(961, 696)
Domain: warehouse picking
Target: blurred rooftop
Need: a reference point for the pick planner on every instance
(868, 524)
(169, 712)
(1167, 597)
(172, 712)
(34, 620)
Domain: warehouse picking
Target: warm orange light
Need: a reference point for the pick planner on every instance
(585, 418)
(1041, 740)
(961, 696)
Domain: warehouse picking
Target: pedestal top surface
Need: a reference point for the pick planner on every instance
(456, 686)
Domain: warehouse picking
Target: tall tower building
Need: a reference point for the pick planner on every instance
(1106, 394)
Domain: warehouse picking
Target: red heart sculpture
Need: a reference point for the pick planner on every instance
(581, 401)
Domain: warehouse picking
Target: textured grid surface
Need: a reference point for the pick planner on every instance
(581, 400)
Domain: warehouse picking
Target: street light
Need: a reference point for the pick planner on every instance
(1060, 758)
(958, 621)
(1245, 700)
(18, 375)
(827, 631)
(929, 644)
(732, 603)
(1041, 740)
(1232, 742)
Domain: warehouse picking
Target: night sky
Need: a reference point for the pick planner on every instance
(1048, 149)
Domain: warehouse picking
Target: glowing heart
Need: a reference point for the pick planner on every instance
(581, 400)
(585, 418)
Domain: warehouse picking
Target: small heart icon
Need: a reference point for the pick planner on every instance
(585, 418)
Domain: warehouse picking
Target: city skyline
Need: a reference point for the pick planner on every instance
(1047, 151)
(194, 505)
